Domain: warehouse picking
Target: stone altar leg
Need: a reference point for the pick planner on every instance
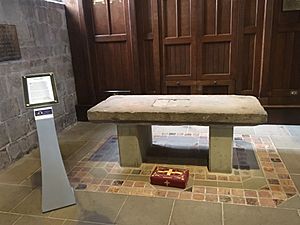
(134, 140)
(220, 148)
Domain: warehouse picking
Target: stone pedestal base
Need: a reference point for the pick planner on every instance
(220, 148)
(134, 140)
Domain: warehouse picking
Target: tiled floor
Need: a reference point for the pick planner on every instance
(263, 188)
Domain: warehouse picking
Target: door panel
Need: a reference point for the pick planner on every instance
(184, 19)
(177, 55)
(113, 54)
(180, 87)
(100, 14)
(217, 40)
(250, 41)
(117, 16)
(114, 66)
(144, 12)
(216, 87)
(224, 17)
(216, 58)
(209, 18)
(178, 42)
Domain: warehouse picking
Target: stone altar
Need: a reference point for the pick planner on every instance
(134, 115)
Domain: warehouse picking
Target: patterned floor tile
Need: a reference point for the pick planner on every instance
(259, 177)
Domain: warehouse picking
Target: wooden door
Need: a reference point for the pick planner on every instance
(178, 46)
(114, 62)
(281, 77)
(199, 46)
(217, 41)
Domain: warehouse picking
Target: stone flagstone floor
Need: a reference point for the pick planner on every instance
(263, 187)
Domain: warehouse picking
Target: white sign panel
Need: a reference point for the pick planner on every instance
(40, 90)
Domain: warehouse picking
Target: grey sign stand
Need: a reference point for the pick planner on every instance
(56, 189)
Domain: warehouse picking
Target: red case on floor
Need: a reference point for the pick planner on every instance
(170, 177)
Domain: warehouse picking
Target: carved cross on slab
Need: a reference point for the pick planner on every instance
(170, 172)
(171, 102)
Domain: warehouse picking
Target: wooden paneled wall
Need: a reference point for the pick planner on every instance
(246, 47)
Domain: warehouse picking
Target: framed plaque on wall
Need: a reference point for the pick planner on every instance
(9, 43)
(290, 5)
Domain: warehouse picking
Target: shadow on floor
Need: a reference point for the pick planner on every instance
(181, 150)
(176, 155)
(108, 152)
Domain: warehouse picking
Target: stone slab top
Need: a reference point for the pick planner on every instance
(179, 109)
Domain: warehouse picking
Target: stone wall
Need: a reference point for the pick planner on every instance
(44, 43)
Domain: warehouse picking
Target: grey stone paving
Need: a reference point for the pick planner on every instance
(291, 158)
(296, 179)
(286, 142)
(270, 130)
(194, 213)
(248, 215)
(146, 211)
(93, 207)
(11, 196)
(294, 130)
